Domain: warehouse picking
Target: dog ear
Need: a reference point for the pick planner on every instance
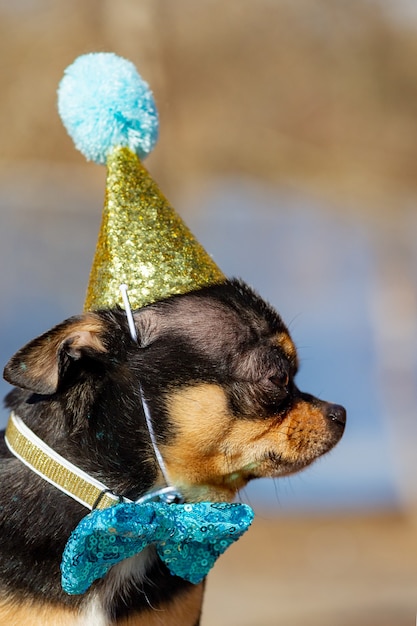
(40, 364)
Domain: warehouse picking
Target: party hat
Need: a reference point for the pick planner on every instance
(110, 113)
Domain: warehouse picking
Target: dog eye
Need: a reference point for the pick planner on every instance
(280, 380)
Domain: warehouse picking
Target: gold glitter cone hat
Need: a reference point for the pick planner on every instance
(110, 113)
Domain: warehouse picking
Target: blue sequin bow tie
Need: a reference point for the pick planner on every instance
(188, 538)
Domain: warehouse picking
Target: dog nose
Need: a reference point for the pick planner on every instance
(337, 414)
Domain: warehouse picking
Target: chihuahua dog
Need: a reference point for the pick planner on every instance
(217, 368)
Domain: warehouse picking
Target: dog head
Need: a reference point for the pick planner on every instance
(217, 367)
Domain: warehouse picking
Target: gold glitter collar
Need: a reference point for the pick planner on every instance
(56, 470)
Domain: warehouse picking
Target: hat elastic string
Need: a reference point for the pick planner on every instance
(133, 334)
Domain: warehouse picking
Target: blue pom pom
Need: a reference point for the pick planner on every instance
(104, 104)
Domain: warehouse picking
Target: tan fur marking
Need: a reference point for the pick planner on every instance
(215, 453)
(284, 341)
(13, 614)
(182, 611)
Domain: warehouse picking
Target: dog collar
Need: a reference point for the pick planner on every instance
(67, 477)
(55, 469)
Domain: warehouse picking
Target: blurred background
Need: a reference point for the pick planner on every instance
(289, 145)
